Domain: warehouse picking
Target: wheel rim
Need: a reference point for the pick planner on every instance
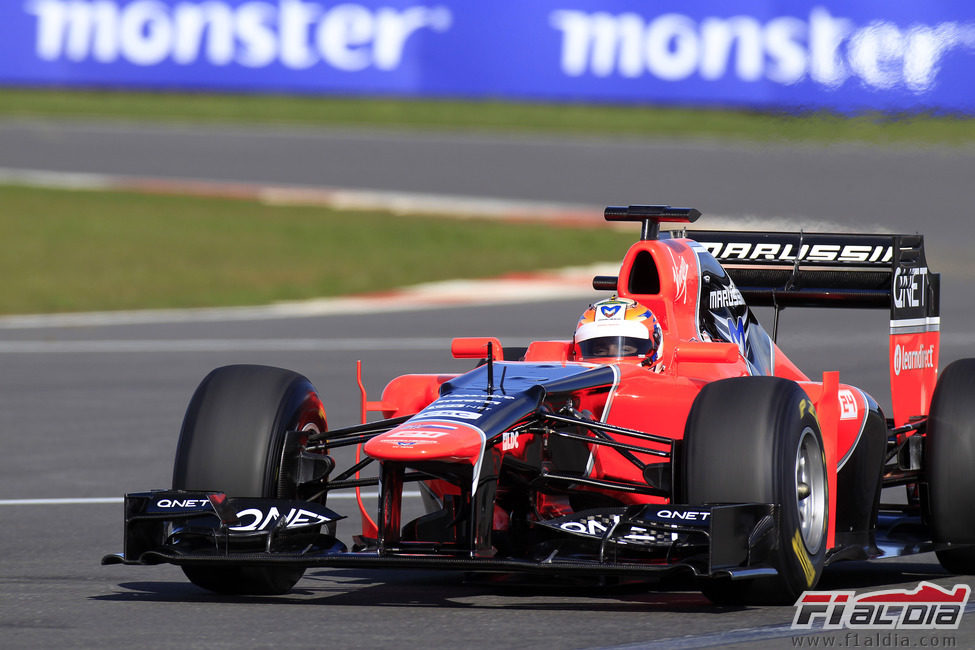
(810, 490)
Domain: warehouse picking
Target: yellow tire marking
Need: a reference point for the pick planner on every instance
(806, 404)
(800, 550)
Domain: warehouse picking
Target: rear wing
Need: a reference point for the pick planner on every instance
(782, 269)
(828, 270)
(847, 270)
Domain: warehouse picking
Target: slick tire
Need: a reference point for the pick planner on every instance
(232, 441)
(949, 459)
(758, 440)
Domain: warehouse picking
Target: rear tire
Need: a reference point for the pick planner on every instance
(757, 440)
(232, 441)
(949, 459)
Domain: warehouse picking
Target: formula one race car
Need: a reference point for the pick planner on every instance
(670, 436)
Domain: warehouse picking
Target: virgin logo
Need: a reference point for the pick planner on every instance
(680, 279)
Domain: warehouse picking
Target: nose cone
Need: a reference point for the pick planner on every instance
(429, 440)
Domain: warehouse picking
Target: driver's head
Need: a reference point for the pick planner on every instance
(617, 328)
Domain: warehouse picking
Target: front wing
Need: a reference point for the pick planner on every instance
(201, 528)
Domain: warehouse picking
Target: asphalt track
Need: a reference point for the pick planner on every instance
(79, 420)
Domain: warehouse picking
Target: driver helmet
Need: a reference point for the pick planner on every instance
(617, 328)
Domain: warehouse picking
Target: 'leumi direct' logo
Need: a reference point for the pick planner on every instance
(928, 607)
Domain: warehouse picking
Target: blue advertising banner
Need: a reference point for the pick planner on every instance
(845, 55)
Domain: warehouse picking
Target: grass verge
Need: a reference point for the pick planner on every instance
(576, 119)
(68, 251)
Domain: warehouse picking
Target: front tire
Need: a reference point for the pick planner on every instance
(757, 440)
(232, 441)
(949, 460)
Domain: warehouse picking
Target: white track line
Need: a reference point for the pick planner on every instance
(399, 203)
(221, 345)
(564, 284)
(60, 502)
(117, 500)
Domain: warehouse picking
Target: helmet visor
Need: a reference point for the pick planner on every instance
(615, 346)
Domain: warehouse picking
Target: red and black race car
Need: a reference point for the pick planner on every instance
(670, 436)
